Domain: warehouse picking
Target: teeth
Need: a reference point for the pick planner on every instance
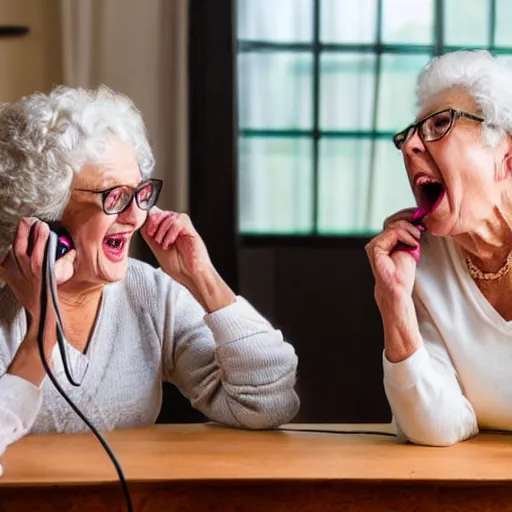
(424, 180)
(115, 243)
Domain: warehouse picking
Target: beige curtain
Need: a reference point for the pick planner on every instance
(139, 48)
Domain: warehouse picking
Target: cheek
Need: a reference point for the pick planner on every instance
(92, 232)
(479, 169)
(460, 164)
(476, 182)
(408, 169)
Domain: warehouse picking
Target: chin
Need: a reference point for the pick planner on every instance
(113, 272)
(113, 265)
(442, 225)
(438, 229)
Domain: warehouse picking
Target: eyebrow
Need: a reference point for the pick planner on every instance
(107, 183)
(434, 112)
(107, 187)
(424, 116)
(108, 180)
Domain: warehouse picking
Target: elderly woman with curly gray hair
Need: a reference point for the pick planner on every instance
(132, 325)
(443, 280)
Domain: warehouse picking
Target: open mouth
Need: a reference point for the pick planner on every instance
(114, 245)
(430, 193)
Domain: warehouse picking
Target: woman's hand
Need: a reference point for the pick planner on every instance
(405, 214)
(21, 268)
(393, 256)
(182, 255)
(177, 246)
(394, 269)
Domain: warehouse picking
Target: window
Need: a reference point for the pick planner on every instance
(322, 86)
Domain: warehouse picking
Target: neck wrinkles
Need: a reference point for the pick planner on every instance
(490, 243)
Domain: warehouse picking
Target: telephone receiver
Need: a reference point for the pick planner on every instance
(64, 240)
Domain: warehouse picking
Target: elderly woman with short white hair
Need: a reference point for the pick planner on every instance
(130, 325)
(443, 280)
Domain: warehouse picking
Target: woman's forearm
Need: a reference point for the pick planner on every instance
(27, 362)
(427, 402)
(424, 394)
(401, 330)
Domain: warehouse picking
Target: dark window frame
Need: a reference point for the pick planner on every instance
(213, 129)
(317, 48)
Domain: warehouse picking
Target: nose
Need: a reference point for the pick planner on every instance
(133, 215)
(414, 145)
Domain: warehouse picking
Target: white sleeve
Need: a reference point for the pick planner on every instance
(425, 395)
(20, 402)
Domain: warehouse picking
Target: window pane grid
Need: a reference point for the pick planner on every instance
(321, 133)
(347, 160)
(254, 46)
(316, 111)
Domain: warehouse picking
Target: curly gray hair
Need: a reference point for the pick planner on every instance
(45, 138)
(483, 76)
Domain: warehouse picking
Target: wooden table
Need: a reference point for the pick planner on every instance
(194, 468)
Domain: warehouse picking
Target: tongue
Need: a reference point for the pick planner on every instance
(427, 207)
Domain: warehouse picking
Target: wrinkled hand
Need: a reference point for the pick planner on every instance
(395, 270)
(22, 272)
(405, 214)
(182, 254)
(177, 246)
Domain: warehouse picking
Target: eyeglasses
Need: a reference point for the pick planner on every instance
(433, 127)
(117, 199)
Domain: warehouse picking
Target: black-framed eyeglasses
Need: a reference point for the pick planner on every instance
(117, 199)
(433, 127)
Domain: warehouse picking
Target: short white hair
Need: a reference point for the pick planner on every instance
(46, 138)
(487, 79)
